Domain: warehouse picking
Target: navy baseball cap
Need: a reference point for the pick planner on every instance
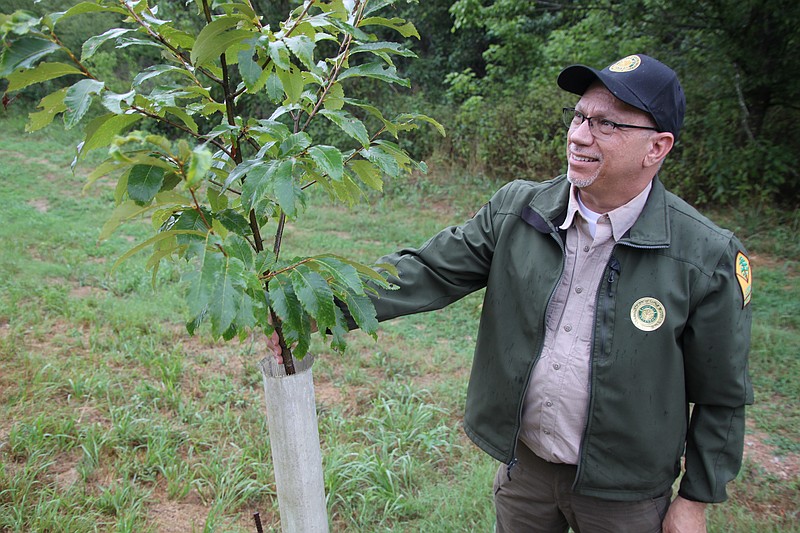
(638, 80)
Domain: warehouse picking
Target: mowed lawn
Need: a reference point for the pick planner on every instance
(113, 418)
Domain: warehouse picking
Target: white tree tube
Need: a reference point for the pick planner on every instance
(294, 437)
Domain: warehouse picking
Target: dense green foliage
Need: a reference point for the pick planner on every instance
(238, 97)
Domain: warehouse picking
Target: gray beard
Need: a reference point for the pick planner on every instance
(580, 183)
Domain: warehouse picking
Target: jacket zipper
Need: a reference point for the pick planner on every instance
(514, 459)
(613, 268)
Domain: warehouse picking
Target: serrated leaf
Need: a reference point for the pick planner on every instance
(303, 48)
(348, 123)
(216, 38)
(406, 117)
(362, 311)
(342, 276)
(42, 72)
(334, 100)
(144, 182)
(151, 241)
(227, 294)
(236, 246)
(233, 221)
(184, 117)
(78, 99)
(23, 53)
(249, 68)
(403, 27)
(91, 44)
(368, 173)
(50, 106)
(315, 295)
(279, 53)
(113, 101)
(295, 144)
(383, 47)
(287, 192)
(375, 70)
(90, 7)
(329, 160)
(199, 165)
(102, 130)
(384, 160)
(292, 82)
(274, 87)
(201, 288)
(152, 72)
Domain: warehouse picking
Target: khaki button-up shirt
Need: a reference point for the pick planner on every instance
(557, 399)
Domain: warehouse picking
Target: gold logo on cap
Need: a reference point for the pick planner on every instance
(626, 64)
(648, 314)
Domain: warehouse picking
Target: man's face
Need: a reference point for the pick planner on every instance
(596, 161)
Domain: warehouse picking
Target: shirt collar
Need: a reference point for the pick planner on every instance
(622, 218)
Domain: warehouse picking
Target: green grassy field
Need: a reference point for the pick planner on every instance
(112, 418)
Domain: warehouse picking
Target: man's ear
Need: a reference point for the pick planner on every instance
(660, 145)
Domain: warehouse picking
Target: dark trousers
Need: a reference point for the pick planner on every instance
(538, 499)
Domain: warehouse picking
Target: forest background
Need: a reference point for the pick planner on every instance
(487, 70)
(112, 419)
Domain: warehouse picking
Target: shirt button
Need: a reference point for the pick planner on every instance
(546, 431)
(567, 328)
(579, 290)
(548, 403)
(556, 366)
(586, 248)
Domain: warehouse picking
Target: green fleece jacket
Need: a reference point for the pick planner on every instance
(669, 373)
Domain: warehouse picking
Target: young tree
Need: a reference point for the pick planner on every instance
(218, 181)
(215, 181)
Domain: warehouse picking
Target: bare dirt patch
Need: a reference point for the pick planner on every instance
(171, 516)
(42, 205)
(782, 466)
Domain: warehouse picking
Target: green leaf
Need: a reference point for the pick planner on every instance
(334, 100)
(184, 117)
(329, 160)
(404, 28)
(201, 288)
(293, 83)
(362, 311)
(144, 182)
(199, 165)
(375, 70)
(238, 247)
(226, 295)
(216, 38)
(407, 117)
(274, 87)
(342, 276)
(42, 72)
(234, 221)
(279, 53)
(78, 99)
(90, 7)
(113, 101)
(383, 47)
(348, 123)
(287, 191)
(315, 295)
(249, 68)
(367, 173)
(286, 306)
(51, 105)
(102, 130)
(91, 44)
(384, 160)
(23, 53)
(151, 241)
(155, 70)
(295, 144)
(303, 48)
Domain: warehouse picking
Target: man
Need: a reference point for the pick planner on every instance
(611, 306)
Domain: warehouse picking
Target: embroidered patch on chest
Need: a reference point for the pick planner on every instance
(744, 276)
(648, 314)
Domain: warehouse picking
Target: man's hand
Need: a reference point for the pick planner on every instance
(685, 516)
(274, 347)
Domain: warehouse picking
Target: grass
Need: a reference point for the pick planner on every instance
(113, 419)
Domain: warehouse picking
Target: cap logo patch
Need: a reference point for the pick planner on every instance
(626, 64)
(745, 277)
(648, 314)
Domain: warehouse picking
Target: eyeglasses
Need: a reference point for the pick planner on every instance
(602, 126)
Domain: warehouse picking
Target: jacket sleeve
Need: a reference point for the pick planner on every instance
(716, 347)
(450, 265)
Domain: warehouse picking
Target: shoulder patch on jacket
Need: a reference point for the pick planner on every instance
(744, 275)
